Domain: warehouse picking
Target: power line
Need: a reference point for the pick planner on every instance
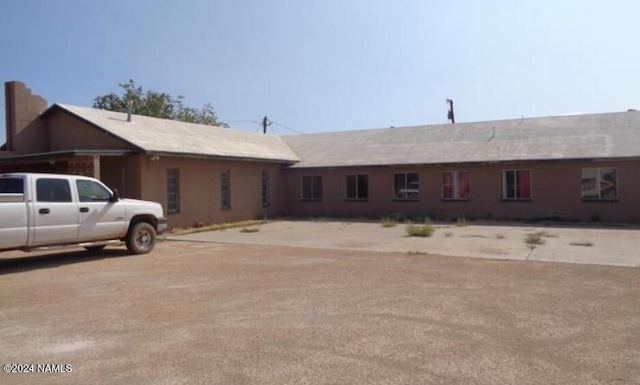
(261, 124)
(287, 128)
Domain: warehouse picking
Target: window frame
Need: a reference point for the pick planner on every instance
(598, 182)
(68, 185)
(316, 188)
(176, 185)
(8, 185)
(94, 183)
(406, 187)
(358, 196)
(265, 189)
(503, 191)
(455, 185)
(225, 190)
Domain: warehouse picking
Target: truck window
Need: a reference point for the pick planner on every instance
(11, 186)
(90, 191)
(53, 190)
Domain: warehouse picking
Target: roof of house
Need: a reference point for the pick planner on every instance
(593, 136)
(163, 136)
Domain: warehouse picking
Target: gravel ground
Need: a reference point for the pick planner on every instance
(207, 313)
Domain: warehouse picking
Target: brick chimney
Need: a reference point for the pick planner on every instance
(21, 109)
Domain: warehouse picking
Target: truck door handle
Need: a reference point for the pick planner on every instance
(44, 211)
(84, 209)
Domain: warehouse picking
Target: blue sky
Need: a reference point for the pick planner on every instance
(333, 64)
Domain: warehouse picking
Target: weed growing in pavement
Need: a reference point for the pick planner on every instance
(218, 227)
(388, 222)
(582, 243)
(425, 230)
(534, 240)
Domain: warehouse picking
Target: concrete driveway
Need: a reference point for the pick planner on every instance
(213, 313)
(572, 244)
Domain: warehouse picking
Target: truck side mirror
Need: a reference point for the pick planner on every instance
(115, 196)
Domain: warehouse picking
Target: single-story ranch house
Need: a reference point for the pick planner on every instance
(581, 167)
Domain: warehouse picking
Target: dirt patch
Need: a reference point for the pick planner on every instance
(240, 314)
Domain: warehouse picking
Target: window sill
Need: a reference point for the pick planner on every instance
(455, 200)
(596, 200)
(516, 200)
(406, 199)
(173, 212)
(310, 200)
(356, 200)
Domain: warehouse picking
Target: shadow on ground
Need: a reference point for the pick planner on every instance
(52, 260)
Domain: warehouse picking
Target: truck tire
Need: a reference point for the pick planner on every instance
(141, 238)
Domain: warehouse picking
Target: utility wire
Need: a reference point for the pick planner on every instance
(287, 128)
(270, 122)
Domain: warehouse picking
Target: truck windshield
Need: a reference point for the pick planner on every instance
(11, 186)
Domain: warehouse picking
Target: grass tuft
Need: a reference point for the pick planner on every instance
(250, 230)
(218, 227)
(582, 243)
(425, 230)
(534, 240)
(462, 222)
(388, 222)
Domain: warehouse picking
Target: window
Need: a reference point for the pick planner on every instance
(599, 183)
(406, 186)
(455, 185)
(516, 184)
(90, 191)
(357, 187)
(11, 186)
(264, 189)
(173, 190)
(53, 190)
(312, 188)
(225, 190)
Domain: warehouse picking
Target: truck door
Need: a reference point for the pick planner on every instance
(98, 217)
(13, 213)
(55, 212)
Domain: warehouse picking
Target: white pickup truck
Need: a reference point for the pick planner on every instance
(42, 210)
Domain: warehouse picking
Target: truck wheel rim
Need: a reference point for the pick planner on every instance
(143, 239)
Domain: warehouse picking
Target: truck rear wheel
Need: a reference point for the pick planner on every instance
(141, 238)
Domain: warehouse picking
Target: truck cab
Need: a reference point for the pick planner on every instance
(48, 209)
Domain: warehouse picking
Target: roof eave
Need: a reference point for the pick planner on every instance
(286, 161)
(300, 166)
(65, 154)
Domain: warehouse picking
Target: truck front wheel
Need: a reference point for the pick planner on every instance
(141, 238)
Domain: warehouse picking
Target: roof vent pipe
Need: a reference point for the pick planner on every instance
(128, 111)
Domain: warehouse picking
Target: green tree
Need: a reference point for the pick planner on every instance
(157, 105)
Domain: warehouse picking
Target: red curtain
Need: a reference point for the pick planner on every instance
(524, 184)
(463, 185)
